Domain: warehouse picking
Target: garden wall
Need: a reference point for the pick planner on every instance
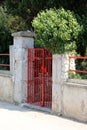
(74, 100)
(13, 83)
(69, 96)
(6, 86)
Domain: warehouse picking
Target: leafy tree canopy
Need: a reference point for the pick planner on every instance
(27, 9)
(5, 36)
(57, 29)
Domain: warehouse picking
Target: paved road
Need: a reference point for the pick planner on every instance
(16, 118)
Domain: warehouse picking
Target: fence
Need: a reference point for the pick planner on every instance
(4, 62)
(80, 66)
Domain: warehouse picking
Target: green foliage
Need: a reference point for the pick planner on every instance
(5, 35)
(28, 9)
(5, 38)
(74, 75)
(77, 75)
(57, 30)
(82, 40)
(3, 17)
(80, 64)
(16, 24)
(8, 25)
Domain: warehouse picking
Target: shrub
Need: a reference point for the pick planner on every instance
(5, 35)
(82, 40)
(5, 38)
(57, 30)
(16, 23)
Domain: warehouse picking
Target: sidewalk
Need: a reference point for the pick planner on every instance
(17, 118)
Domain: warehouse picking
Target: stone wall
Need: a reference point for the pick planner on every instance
(13, 83)
(69, 96)
(74, 100)
(6, 86)
(22, 41)
(59, 75)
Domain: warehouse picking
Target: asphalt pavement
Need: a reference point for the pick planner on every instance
(14, 117)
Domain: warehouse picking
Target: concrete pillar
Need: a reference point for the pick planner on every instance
(11, 59)
(22, 41)
(60, 74)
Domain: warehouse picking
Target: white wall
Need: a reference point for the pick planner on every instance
(69, 97)
(74, 100)
(6, 86)
(22, 41)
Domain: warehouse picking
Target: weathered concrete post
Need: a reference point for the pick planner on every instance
(22, 41)
(11, 48)
(60, 74)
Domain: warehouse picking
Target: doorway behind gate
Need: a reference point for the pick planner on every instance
(39, 91)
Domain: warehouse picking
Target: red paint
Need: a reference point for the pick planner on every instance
(39, 91)
(79, 57)
(4, 55)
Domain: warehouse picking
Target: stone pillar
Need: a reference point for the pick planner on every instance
(60, 74)
(11, 48)
(22, 41)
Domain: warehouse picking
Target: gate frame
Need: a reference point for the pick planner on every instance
(42, 104)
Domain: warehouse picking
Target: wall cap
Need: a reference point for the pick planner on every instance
(23, 34)
(5, 73)
(75, 85)
(78, 81)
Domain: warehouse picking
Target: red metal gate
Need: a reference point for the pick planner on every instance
(39, 77)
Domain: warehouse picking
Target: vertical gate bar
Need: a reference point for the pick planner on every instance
(31, 76)
(47, 100)
(50, 84)
(45, 77)
(28, 77)
(42, 104)
(48, 60)
(36, 88)
(34, 51)
(37, 67)
(30, 90)
(36, 79)
(40, 78)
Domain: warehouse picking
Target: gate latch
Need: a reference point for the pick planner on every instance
(44, 69)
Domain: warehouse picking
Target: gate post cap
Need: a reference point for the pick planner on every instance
(23, 34)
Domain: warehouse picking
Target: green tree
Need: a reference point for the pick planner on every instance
(16, 23)
(5, 38)
(27, 9)
(82, 40)
(5, 35)
(57, 30)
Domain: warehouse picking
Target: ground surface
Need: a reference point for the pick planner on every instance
(18, 118)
